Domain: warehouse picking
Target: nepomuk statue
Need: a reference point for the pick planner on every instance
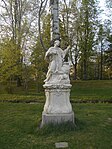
(58, 70)
(57, 108)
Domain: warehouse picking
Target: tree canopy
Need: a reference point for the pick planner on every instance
(25, 30)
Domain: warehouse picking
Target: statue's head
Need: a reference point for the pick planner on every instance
(57, 43)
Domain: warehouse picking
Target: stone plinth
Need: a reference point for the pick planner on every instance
(57, 108)
(57, 118)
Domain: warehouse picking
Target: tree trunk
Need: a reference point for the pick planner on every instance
(84, 70)
(18, 81)
(54, 20)
(75, 71)
(101, 63)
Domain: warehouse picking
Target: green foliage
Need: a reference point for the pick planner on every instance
(10, 56)
(88, 20)
(79, 25)
(45, 32)
(38, 64)
(78, 28)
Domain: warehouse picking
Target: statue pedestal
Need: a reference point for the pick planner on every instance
(57, 108)
(57, 118)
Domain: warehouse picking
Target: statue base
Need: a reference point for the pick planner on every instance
(57, 108)
(55, 118)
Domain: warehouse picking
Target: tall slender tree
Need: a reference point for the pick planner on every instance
(108, 57)
(88, 17)
(17, 18)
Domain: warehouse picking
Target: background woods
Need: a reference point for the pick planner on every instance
(25, 36)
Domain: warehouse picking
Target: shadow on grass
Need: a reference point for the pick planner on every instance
(80, 125)
(62, 128)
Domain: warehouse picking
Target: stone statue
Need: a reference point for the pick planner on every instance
(57, 108)
(55, 56)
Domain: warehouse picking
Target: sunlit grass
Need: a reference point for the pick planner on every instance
(19, 127)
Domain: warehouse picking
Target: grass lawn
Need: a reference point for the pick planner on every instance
(92, 90)
(19, 127)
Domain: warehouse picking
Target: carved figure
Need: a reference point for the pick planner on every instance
(55, 56)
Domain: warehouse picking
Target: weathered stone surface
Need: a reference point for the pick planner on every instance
(57, 118)
(61, 145)
(57, 108)
(57, 100)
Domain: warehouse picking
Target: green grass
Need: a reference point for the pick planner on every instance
(16, 98)
(19, 127)
(99, 87)
(92, 90)
(95, 90)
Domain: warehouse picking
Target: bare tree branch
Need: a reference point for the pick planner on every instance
(44, 7)
(4, 19)
(6, 7)
(41, 10)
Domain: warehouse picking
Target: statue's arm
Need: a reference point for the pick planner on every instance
(49, 52)
(66, 51)
(47, 55)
